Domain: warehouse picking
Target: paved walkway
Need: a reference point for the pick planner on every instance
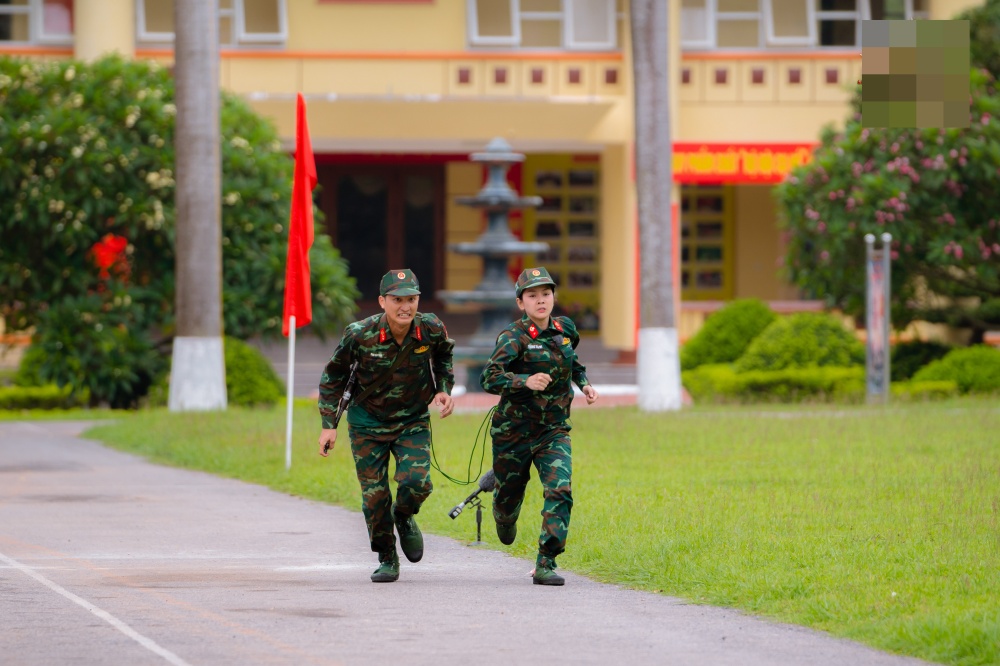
(107, 559)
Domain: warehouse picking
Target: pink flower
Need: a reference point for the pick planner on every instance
(821, 227)
(894, 255)
(958, 251)
(824, 255)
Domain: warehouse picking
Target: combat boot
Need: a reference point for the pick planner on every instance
(507, 532)
(410, 538)
(545, 572)
(388, 568)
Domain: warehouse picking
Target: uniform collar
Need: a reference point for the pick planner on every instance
(534, 331)
(385, 333)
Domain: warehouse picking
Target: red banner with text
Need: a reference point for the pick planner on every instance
(738, 162)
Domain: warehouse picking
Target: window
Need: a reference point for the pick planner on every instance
(755, 24)
(36, 21)
(576, 25)
(241, 22)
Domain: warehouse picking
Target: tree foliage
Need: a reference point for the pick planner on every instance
(86, 169)
(87, 222)
(933, 190)
(984, 35)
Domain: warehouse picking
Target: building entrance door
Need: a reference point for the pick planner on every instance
(383, 217)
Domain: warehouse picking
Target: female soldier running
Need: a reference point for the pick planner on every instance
(531, 369)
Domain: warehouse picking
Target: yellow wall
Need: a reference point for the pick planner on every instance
(376, 26)
(619, 238)
(464, 225)
(946, 9)
(758, 245)
(103, 26)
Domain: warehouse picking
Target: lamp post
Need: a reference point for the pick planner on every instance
(878, 290)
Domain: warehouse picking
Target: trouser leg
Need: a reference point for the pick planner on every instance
(371, 462)
(512, 467)
(554, 463)
(412, 451)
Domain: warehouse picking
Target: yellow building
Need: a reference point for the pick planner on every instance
(400, 92)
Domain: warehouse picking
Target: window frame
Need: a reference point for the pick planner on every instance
(809, 40)
(571, 44)
(475, 39)
(768, 40)
(35, 11)
(236, 14)
(564, 16)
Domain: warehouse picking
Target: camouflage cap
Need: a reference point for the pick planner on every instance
(400, 282)
(532, 277)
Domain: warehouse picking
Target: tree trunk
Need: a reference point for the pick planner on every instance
(657, 359)
(198, 376)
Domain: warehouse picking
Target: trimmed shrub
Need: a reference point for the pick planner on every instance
(908, 357)
(974, 369)
(250, 379)
(29, 371)
(727, 333)
(41, 397)
(721, 383)
(929, 390)
(91, 345)
(803, 340)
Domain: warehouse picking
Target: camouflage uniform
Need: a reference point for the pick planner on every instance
(533, 426)
(394, 418)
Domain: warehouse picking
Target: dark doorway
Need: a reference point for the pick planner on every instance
(383, 217)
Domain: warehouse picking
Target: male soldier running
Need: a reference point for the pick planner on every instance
(395, 352)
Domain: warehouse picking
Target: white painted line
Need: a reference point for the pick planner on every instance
(104, 615)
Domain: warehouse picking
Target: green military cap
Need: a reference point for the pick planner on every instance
(400, 282)
(532, 277)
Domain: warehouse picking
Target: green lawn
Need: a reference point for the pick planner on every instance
(878, 525)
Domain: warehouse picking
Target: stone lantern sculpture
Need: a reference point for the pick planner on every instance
(494, 296)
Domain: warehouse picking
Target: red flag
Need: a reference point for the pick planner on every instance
(298, 293)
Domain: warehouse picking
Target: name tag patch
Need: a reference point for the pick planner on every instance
(535, 346)
(377, 355)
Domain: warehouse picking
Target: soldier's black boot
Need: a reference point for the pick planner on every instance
(545, 572)
(388, 568)
(507, 532)
(410, 538)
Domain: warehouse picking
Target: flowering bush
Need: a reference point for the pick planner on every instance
(87, 221)
(934, 190)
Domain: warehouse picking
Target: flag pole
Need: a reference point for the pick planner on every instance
(298, 294)
(291, 388)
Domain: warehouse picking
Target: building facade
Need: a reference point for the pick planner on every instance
(400, 92)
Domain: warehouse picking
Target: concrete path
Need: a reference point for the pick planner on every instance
(107, 559)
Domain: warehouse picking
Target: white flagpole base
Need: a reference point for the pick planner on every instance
(291, 388)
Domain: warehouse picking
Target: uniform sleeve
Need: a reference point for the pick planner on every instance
(335, 374)
(579, 371)
(444, 348)
(497, 377)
